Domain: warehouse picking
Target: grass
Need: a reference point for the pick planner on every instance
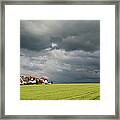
(60, 92)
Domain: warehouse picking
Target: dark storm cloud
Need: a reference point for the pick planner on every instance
(68, 35)
(62, 66)
(65, 51)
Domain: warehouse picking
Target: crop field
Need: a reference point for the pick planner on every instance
(60, 92)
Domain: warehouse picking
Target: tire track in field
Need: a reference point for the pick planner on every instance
(81, 96)
(55, 91)
(60, 91)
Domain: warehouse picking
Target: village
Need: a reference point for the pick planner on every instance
(29, 80)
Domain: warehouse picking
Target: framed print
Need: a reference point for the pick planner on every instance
(60, 60)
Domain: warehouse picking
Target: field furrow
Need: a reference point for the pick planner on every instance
(60, 92)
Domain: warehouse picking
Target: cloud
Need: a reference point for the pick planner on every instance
(62, 66)
(67, 51)
(66, 34)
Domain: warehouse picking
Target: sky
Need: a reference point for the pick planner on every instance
(67, 51)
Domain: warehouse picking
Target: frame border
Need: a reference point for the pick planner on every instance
(55, 2)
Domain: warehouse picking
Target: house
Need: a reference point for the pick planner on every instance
(44, 79)
(24, 80)
(32, 80)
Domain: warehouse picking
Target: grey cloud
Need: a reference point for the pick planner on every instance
(62, 66)
(69, 35)
(76, 58)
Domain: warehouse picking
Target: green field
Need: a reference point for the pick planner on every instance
(60, 92)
